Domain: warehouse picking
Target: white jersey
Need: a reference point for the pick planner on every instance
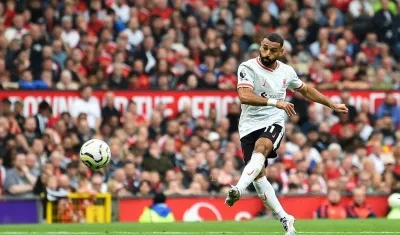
(267, 83)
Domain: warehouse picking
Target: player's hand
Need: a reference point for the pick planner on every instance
(340, 108)
(288, 107)
(25, 169)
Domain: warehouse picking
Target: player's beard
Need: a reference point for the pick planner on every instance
(267, 62)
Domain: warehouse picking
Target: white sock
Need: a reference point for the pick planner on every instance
(251, 171)
(267, 194)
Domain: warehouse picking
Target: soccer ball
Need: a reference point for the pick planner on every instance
(95, 154)
(394, 200)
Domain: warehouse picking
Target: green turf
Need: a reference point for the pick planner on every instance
(255, 227)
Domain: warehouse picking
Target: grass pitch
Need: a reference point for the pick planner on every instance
(254, 227)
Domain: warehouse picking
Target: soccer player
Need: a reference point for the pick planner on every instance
(262, 84)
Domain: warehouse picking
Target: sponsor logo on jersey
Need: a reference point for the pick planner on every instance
(242, 76)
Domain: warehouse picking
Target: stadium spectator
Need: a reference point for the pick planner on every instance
(390, 108)
(53, 192)
(19, 182)
(42, 117)
(66, 81)
(158, 212)
(118, 185)
(331, 209)
(6, 107)
(359, 208)
(72, 173)
(97, 184)
(117, 156)
(34, 169)
(145, 189)
(88, 105)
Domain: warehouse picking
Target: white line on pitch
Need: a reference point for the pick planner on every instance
(180, 233)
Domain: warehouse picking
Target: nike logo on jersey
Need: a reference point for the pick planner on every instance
(273, 136)
(251, 172)
(265, 81)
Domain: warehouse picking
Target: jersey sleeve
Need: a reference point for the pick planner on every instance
(245, 77)
(295, 82)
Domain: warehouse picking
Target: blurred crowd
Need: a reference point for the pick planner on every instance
(183, 155)
(193, 44)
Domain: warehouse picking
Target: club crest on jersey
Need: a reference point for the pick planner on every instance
(284, 83)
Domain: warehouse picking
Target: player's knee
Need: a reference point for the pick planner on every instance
(261, 174)
(264, 146)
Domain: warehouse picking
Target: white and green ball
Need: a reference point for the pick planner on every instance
(394, 200)
(95, 154)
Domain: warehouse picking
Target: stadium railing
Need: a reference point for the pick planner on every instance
(80, 208)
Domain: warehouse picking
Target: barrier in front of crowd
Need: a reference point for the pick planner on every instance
(80, 208)
(19, 210)
(213, 208)
(85, 208)
(201, 101)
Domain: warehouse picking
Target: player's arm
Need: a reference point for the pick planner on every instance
(247, 96)
(245, 87)
(316, 96)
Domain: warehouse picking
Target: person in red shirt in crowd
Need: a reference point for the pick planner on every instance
(343, 5)
(359, 208)
(143, 13)
(370, 47)
(137, 118)
(331, 209)
(344, 122)
(332, 171)
(94, 24)
(162, 10)
(228, 78)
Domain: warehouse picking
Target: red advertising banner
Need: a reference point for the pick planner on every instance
(201, 101)
(213, 208)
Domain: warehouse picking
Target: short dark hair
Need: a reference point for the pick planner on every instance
(110, 11)
(73, 164)
(6, 101)
(92, 12)
(274, 37)
(44, 106)
(84, 87)
(159, 198)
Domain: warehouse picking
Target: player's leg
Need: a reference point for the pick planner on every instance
(262, 147)
(267, 195)
(272, 136)
(247, 142)
(264, 188)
